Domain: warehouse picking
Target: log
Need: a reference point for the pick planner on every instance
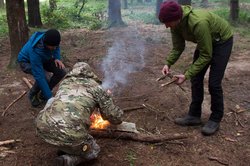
(139, 137)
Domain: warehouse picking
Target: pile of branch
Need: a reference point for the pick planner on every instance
(4, 149)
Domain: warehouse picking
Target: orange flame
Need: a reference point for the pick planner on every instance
(98, 122)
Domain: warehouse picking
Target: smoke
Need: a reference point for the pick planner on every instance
(125, 56)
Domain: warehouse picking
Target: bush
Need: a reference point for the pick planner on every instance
(3, 25)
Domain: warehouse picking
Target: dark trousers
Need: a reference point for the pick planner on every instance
(49, 66)
(220, 57)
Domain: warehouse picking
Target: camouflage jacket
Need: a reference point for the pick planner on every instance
(65, 119)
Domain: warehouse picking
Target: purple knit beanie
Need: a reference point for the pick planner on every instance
(170, 11)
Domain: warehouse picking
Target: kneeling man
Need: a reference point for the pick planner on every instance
(65, 120)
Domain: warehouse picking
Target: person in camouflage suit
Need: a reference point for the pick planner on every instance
(65, 119)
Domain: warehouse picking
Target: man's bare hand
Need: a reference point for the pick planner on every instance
(165, 70)
(59, 64)
(180, 79)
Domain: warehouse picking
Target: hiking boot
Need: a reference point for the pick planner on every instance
(34, 100)
(59, 161)
(188, 121)
(210, 128)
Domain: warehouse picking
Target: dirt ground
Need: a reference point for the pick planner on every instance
(229, 146)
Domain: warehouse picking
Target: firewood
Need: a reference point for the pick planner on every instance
(139, 137)
(9, 141)
(27, 82)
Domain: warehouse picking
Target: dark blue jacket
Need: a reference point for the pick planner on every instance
(36, 53)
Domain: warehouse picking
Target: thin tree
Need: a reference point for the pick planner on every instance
(158, 5)
(234, 10)
(18, 28)
(34, 17)
(114, 14)
(52, 5)
(1, 4)
(125, 4)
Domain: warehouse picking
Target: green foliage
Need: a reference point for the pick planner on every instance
(131, 157)
(241, 25)
(55, 18)
(3, 24)
(67, 15)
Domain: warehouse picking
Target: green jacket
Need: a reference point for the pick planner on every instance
(201, 27)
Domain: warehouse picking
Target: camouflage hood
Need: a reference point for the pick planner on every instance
(82, 69)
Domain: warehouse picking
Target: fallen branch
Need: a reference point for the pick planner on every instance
(19, 97)
(218, 160)
(9, 141)
(132, 108)
(136, 136)
(13, 102)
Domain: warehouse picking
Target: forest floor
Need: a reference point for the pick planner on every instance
(229, 146)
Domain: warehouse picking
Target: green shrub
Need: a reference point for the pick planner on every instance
(3, 26)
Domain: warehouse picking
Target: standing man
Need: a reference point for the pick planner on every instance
(65, 120)
(39, 55)
(214, 39)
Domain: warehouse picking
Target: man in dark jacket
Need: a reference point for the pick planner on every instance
(214, 38)
(40, 54)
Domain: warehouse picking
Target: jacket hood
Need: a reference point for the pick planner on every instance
(36, 37)
(82, 69)
(186, 10)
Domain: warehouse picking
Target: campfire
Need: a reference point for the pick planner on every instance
(97, 122)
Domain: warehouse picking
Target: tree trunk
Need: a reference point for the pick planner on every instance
(125, 4)
(18, 29)
(34, 16)
(114, 14)
(234, 10)
(1, 4)
(184, 2)
(158, 5)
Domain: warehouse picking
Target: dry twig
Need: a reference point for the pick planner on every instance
(218, 160)
(132, 108)
(13, 102)
(19, 97)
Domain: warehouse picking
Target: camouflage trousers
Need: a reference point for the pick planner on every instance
(88, 150)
